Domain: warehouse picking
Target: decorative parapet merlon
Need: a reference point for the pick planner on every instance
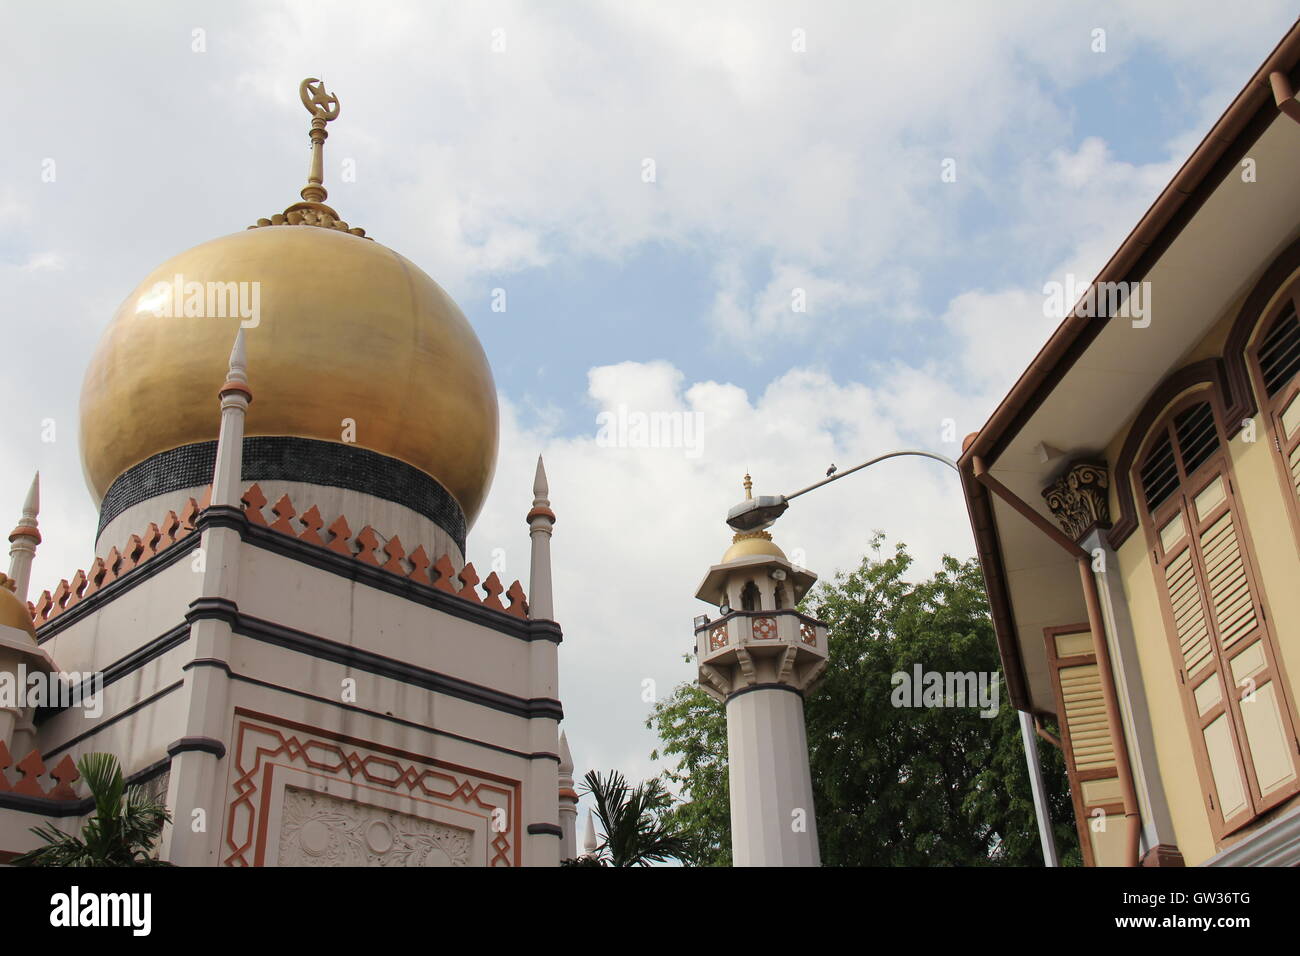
(1079, 498)
(368, 546)
(137, 550)
(30, 769)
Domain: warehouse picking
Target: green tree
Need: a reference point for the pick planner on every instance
(893, 786)
(637, 826)
(125, 826)
(693, 729)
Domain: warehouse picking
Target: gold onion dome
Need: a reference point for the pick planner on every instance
(749, 543)
(347, 329)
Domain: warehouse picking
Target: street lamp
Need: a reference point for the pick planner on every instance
(755, 514)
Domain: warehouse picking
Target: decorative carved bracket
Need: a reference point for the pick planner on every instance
(1079, 498)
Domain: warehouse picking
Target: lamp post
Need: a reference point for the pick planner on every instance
(756, 514)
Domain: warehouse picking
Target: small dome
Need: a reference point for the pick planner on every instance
(13, 613)
(748, 544)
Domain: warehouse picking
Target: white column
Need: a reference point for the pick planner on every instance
(196, 772)
(1039, 790)
(1157, 821)
(540, 521)
(24, 539)
(772, 817)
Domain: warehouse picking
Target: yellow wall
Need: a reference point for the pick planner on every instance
(1264, 509)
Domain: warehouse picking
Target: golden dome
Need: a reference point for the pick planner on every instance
(747, 544)
(348, 329)
(14, 613)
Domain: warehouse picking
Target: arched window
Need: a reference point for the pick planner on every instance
(749, 597)
(1233, 692)
(780, 595)
(1274, 360)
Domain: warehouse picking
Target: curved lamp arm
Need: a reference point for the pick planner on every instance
(866, 464)
(756, 513)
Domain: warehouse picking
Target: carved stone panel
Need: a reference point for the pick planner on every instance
(317, 829)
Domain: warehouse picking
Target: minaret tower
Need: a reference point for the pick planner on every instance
(541, 519)
(759, 659)
(568, 803)
(24, 539)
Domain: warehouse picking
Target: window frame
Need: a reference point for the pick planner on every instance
(1271, 408)
(1182, 501)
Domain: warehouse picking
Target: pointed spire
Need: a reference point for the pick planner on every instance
(235, 398)
(239, 358)
(32, 504)
(237, 369)
(749, 487)
(541, 519)
(24, 539)
(589, 839)
(566, 757)
(540, 488)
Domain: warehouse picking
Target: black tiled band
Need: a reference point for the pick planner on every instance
(276, 458)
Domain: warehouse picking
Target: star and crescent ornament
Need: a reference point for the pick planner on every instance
(320, 103)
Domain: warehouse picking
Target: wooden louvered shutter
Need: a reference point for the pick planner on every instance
(1275, 367)
(1086, 740)
(1237, 712)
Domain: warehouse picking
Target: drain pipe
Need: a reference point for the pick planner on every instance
(1083, 559)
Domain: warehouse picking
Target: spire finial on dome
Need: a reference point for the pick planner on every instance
(749, 487)
(312, 211)
(324, 108)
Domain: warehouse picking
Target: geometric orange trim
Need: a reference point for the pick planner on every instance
(260, 738)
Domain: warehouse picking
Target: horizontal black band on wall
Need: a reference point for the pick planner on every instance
(525, 629)
(284, 458)
(387, 718)
(122, 667)
(323, 648)
(544, 829)
(176, 636)
(772, 686)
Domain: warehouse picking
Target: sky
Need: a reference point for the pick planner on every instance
(806, 233)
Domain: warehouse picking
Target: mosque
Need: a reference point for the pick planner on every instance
(289, 432)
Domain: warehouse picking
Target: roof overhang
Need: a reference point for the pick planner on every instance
(1094, 373)
(713, 589)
